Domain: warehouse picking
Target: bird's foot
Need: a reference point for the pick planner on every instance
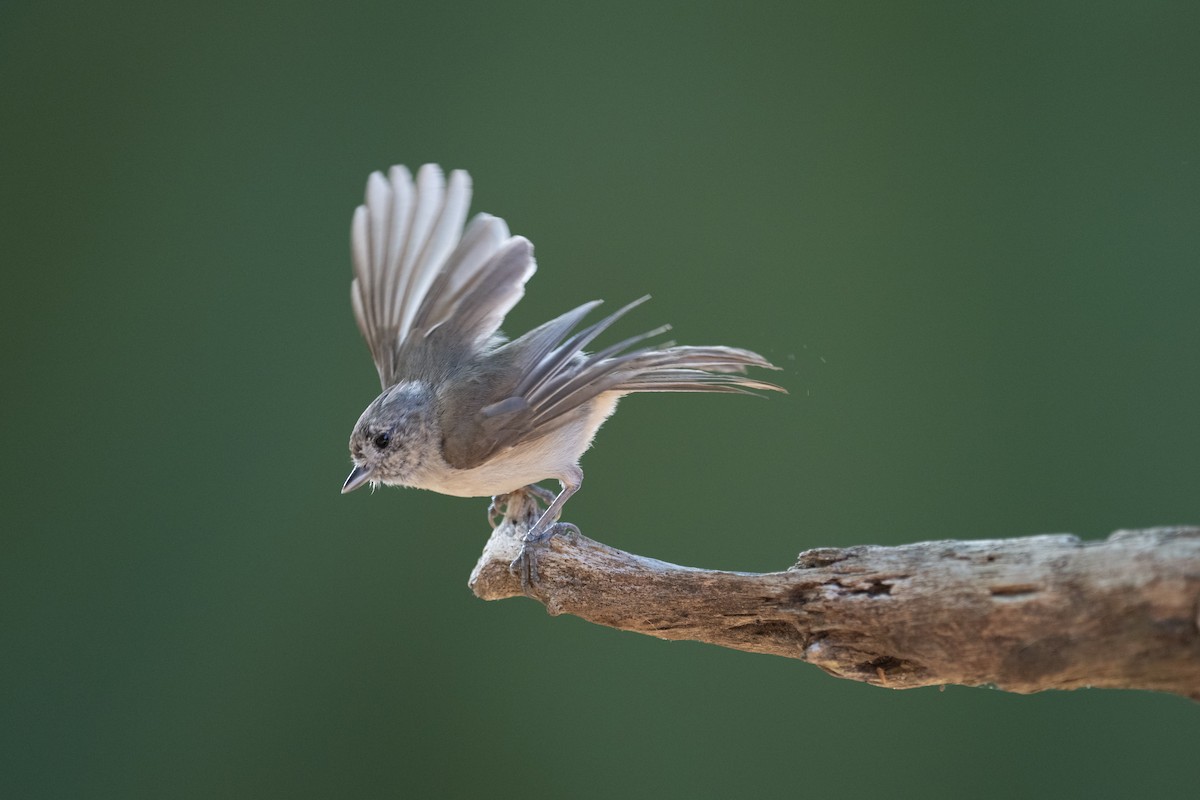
(507, 505)
(496, 509)
(525, 564)
(540, 492)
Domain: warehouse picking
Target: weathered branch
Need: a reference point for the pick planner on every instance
(1027, 614)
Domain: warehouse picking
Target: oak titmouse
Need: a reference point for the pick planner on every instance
(464, 411)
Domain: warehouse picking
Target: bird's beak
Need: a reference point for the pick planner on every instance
(358, 476)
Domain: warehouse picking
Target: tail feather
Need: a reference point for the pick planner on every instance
(658, 368)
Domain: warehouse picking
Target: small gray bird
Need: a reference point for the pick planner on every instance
(464, 411)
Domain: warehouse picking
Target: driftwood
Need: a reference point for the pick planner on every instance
(1023, 615)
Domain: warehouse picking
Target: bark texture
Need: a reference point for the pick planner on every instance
(1024, 615)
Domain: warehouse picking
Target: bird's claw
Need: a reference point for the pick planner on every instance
(541, 493)
(525, 564)
(495, 510)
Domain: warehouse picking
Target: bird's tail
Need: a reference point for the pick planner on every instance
(559, 377)
(691, 369)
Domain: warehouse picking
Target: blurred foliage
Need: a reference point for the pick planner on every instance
(968, 232)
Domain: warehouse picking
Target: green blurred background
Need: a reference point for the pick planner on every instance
(969, 234)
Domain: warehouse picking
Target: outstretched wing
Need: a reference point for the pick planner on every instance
(425, 290)
(557, 379)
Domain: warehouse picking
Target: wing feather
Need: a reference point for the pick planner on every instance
(558, 379)
(415, 271)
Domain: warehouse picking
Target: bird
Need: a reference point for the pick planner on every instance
(465, 411)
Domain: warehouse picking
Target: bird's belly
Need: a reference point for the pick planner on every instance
(554, 455)
(485, 481)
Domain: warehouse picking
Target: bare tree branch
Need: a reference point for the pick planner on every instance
(1024, 615)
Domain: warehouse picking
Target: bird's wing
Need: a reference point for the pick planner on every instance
(425, 291)
(555, 378)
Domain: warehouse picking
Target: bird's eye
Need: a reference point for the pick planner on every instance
(382, 440)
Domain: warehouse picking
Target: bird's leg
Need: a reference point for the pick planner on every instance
(546, 527)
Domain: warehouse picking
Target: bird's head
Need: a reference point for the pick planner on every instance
(391, 439)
